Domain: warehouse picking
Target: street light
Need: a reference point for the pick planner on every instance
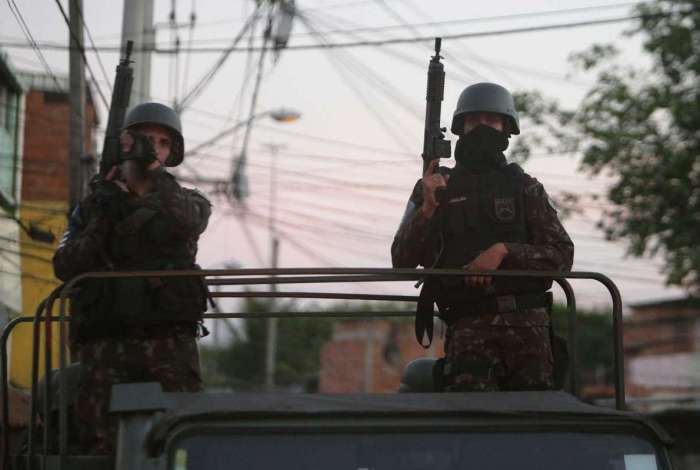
(239, 180)
(279, 115)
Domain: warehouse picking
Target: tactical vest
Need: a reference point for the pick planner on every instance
(143, 240)
(481, 210)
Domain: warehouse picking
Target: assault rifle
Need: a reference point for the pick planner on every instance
(434, 146)
(117, 111)
(434, 143)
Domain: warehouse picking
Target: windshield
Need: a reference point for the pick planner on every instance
(415, 451)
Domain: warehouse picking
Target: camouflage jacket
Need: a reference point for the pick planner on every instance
(549, 247)
(86, 243)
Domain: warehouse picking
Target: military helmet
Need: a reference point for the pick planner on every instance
(162, 115)
(418, 376)
(485, 97)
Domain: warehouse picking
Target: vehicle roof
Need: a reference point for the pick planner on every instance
(491, 402)
(207, 408)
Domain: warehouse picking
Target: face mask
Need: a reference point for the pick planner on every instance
(480, 150)
(484, 138)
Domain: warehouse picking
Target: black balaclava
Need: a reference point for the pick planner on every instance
(481, 149)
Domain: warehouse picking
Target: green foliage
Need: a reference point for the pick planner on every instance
(641, 126)
(546, 125)
(594, 341)
(241, 365)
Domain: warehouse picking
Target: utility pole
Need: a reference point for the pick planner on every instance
(137, 26)
(271, 336)
(76, 99)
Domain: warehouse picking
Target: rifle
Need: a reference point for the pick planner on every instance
(434, 143)
(434, 146)
(117, 111)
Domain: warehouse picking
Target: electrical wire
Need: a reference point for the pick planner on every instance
(94, 49)
(209, 75)
(340, 61)
(81, 49)
(369, 43)
(32, 42)
(190, 37)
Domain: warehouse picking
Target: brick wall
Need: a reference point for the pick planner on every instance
(46, 145)
(370, 356)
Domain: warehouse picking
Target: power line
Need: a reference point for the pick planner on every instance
(347, 62)
(537, 14)
(460, 21)
(32, 42)
(81, 49)
(94, 49)
(209, 75)
(382, 42)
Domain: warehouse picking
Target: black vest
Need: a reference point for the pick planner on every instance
(481, 210)
(143, 240)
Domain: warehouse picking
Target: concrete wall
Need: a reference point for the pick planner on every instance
(662, 350)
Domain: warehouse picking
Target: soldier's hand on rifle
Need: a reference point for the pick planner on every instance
(109, 192)
(431, 182)
(488, 260)
(137, 155)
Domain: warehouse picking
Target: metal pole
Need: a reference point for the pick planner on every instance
(137, 26)
(240, 163)
(76, 102)
(271, 336)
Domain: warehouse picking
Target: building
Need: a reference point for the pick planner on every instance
(11, 102)
(662, 348)
(44, 194)
(370, 356)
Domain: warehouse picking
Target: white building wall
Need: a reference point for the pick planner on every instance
(10, 275)
(669, 370)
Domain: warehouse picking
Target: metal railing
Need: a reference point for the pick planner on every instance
(249, 277)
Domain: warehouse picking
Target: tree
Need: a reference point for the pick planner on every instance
(594, 342)
(241, 365)
(642, 126)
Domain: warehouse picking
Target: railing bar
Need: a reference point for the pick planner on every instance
(302, 280)
(571, 336)
(310, 314)
(317, 295)
(5, 387)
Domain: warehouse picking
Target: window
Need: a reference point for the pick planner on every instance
(415, 451)
(9, 100)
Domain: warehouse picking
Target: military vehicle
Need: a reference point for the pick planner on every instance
(495, 430)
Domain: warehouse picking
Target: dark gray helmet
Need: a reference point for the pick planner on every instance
(485, 97)
(418, 376)
(156, 113)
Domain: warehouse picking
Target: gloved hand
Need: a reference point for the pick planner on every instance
(136, 146)
(109, 197)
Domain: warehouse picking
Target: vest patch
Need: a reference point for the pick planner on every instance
(504, 208)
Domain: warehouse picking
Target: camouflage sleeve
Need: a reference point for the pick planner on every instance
(188, 209)
(82, 247)
(411, 242)
(549, 247)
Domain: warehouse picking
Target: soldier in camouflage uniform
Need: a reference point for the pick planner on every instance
(492, 215)
(137, 217)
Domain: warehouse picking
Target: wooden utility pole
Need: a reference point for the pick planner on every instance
(76, 101)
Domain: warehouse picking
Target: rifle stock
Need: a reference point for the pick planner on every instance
(117, 110)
